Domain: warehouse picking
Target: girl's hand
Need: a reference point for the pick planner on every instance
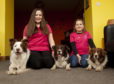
(79, 58)
(52, 52)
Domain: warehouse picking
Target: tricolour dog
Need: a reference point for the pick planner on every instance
(19, 56)
(97, 59)
(61, 57)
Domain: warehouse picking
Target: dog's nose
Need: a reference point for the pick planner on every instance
(59, 51)
(95, 56)
(17, 49)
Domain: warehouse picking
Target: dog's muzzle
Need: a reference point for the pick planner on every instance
(18, 51)
(59, 53)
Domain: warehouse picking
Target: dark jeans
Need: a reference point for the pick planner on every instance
(74, 61)
(40, 59)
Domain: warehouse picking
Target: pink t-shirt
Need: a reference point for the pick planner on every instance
(38, 41)
(81, 41)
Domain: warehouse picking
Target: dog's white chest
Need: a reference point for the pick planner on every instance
(61, 62)
(18, 59)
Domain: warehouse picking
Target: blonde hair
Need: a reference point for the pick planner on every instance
(74, 30)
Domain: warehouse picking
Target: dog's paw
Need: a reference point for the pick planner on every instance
(21, 71)
(68, 69)
(52, 68)
(11, 73)
(89, 68)
(27, 69)
(98, 69)
(8, 72)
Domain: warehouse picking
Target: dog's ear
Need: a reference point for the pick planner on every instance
(91, 51)
(103, 52)
(102, 55)
(25, 41)
(12, 41)
(24, 44)
(67, 48)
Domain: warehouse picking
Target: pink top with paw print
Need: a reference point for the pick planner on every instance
(81, 42)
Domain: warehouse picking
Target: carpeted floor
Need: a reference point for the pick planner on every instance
(59, 76)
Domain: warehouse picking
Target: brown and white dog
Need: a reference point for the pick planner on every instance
(61, 57)
(97, 59)
(18, 57)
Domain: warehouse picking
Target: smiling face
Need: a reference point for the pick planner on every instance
(79, 26)
(38, 16)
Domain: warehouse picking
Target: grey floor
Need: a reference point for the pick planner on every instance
(59, 76)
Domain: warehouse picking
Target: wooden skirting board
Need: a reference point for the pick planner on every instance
(2, 58)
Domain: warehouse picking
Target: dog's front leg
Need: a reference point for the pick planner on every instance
(54, 67)
(20, 71)
(89, 67)
(68, 67)
(12, 70)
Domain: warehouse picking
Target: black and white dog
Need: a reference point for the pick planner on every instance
(97, 59)
(61, 57)
(19, 56)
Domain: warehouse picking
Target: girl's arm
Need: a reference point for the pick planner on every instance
(75, 51)
(51, 40)
(74, 48)
(72, 42)
(24, 33)
(24, 37)
(91, 43)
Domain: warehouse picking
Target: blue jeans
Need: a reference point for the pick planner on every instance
(74, 61)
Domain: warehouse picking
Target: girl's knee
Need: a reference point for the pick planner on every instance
(84, 64)
(74, 63)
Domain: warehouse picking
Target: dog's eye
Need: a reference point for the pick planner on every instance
(15, 45)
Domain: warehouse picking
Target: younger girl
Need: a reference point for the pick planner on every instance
(80, 41)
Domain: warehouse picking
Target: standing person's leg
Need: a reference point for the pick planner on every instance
(47, 59)
(74, 61)
(35, 60)
(84, 60)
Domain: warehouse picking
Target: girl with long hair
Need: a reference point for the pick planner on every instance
(40, 41)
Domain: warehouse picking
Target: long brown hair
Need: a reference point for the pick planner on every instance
(32, 25)
(74, 30)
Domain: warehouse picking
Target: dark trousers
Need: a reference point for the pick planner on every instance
(40, 59)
